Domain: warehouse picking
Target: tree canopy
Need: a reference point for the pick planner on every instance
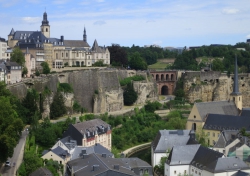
(118, 56)
(137, 62)
(17, 56)
(46, 69)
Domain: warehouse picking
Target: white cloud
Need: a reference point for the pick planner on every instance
(100, 0)
(8, 3)
(248, 36)
(150, 21)
(31, 20)
(99, 23)
(230, 11)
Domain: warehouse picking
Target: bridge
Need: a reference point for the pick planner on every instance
(136, 149)
(166, 81)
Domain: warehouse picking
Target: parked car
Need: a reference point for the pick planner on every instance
(7, 164)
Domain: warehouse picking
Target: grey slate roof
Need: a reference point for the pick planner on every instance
(69, 142)
(228, 122)
(245, 112)
(225, 138)
(182, 155)
(228, 163)
(12, 32)
(84, 166)
(42, 171)
(87, 129)
(60, 152)
(216, 107)
(75, 43)
(98, 148)
(166, 139)
(96, 48)
(240, 173)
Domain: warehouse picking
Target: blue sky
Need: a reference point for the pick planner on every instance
(126, 22)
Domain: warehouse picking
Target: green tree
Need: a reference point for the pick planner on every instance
(37, 73)
(218, 65)
(179, 93)
(76, 107)
(137, 62)
(118, 55)
(201, 136)
(25, 71)
(46, 69)
(129, 95)
(57, 108)
(17, 56)
(32, 162)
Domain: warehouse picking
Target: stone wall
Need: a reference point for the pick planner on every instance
(96, 90)
(214, 86)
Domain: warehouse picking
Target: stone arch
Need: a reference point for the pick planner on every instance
(194, 126)
(157, 77)
(167, 76)
(77, 63)
(172, 77)
(82, 63)
(162, 77)
(164, 90)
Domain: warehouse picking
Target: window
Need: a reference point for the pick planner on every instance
(62, 54)
(208, 133)
(194, 116)
(46, 29)
(218, 134)
(213, 134)
(174, 172)
(77, 54)
(66, 54)
(185, 171)
(239, 98)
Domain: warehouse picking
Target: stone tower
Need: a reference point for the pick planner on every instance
(45, 27)
(84, 35)
(236, 95)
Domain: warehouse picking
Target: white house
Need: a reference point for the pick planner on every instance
(166, 139)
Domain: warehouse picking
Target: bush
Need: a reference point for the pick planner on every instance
(99, 64)
(76, 107)
(152, 106)
(65, 87)
(129, 79)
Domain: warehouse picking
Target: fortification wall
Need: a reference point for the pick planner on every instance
(214, 86)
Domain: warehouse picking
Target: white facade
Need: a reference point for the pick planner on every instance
(3, 48)
(156, 157)
(176, 170)
(2, 75)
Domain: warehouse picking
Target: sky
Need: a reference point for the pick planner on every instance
(175, 23)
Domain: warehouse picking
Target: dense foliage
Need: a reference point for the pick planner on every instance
(65, 87)
(137, 62)
(118, 56)
(128, 80)
(224, 58)
(45, 66)
(17, 56)
(129, 95)
(10, 124)
(98, 64)
(57, 107)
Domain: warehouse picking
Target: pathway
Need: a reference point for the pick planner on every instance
(126, 152)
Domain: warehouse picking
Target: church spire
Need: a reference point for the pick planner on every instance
(236, 83)
(45, 21)
(84, 35)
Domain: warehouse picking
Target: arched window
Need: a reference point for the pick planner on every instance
(157, 77)
(62, 54)
(167, 77)
(46, 29)
(194, 126)
(162, 77)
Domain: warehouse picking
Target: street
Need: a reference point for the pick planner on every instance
(16, 158)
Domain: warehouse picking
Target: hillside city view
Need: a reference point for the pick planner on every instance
(107, 88)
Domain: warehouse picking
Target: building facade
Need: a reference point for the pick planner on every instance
(3, 48)
(91, 132)
(57, 52)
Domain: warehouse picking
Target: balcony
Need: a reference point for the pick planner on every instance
(39, 54)
(40, 59)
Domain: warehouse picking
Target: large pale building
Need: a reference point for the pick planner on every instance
(57, 52)
(3, 48)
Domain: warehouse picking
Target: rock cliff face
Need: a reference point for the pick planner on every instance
(98, 91)
(214, 86)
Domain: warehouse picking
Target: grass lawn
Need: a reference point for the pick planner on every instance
(158, 65)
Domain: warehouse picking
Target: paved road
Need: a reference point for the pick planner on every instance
(16, 158)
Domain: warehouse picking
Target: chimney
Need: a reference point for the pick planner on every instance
(116, 166)
(104, 155)
(84, 151)
(62, 38)
(84, 156)
(95, 167)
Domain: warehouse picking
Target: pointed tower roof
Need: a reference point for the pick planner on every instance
(45, 21)
(27, 51)
(236, 84)
(12, 32)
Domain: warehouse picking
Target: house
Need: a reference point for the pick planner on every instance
(198, 160)
(67, 143)
(97, 148)
(57, 154)
(3, 72)
(232, 143)
(3, 48)
(215, 123)
(30, 63)
(90, 132)
(98, 165)
(166, 139)
(14, 72)
(42, 171)
(57, 52)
